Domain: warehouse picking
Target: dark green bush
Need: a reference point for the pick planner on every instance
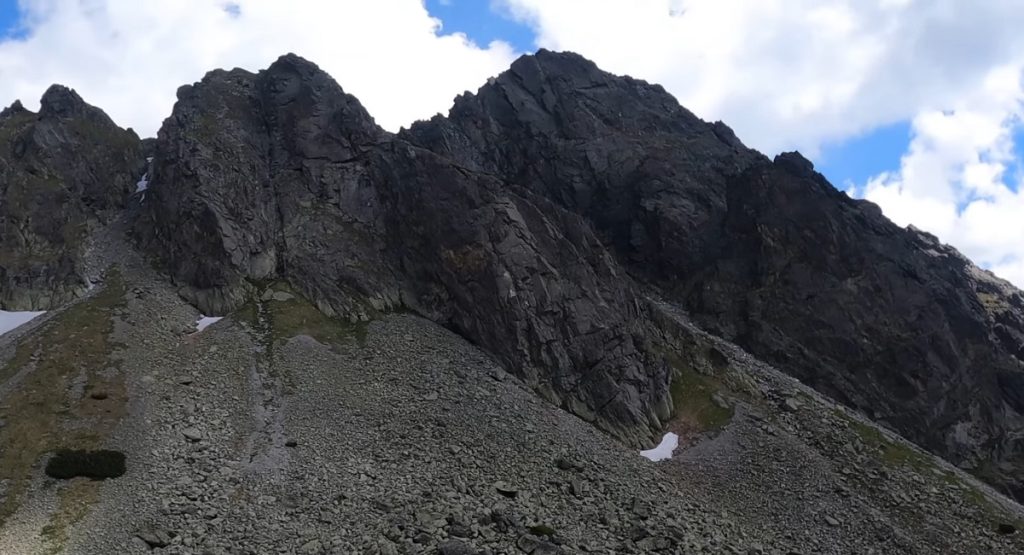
(98, 465)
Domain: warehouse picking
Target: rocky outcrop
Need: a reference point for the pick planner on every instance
(764, 253)
(884, 319)
(533, 219)
(282, 175)
(63, 171)
(645, 171)
(578, 227)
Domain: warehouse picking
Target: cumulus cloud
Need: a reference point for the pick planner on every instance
(793, 73)
(805, 73)
(958, 178)
(129, 57)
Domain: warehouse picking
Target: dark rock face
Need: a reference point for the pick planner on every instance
(881, 318)
(62, 172)
(282, 174)
(530, 217)
(645, 171)
(766, 254)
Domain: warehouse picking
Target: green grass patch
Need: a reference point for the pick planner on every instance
(281, 320)
(892, 453)
(73, 503)
(693, 400)
(74, 342)
(277, 313)
(98, 133)
(896, 454)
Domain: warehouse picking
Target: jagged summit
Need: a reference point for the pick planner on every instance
(626, 261)
(365, 223)
(303, 68)
(15, 108)
(763, 252)
(564, 96)
(60, 101)
(63, 172)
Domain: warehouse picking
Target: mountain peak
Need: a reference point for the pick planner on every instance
(15, 108)
(60, 101)
(566, 62)
(63, 172)
(296, 63)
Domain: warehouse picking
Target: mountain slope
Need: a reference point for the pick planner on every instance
(295, 181)
(764, 253)
(278, 429)
(482, 221)
(393, 302)
(63, 172)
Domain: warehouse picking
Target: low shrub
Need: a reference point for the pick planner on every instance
(98, 465)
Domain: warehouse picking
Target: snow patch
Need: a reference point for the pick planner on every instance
(11, 320)
(143, 183)
(206, 321)
(664, 449)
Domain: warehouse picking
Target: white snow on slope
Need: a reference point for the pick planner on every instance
(11, 320)
(206, 321)
(664, 449)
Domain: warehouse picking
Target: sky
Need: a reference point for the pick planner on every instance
(916, 105)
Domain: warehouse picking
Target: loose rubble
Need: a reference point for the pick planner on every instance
(251, 438)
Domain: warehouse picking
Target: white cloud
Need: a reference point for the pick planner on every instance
(129, 57)
(791, 73)
(803, 73)
(956, 180)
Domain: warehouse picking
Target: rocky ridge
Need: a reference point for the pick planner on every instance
(547, 193)
(765, 253)
(578, 227)
(63, 172)
(282, 175)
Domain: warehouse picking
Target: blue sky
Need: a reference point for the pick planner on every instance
(481, 23)
(8, 16)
